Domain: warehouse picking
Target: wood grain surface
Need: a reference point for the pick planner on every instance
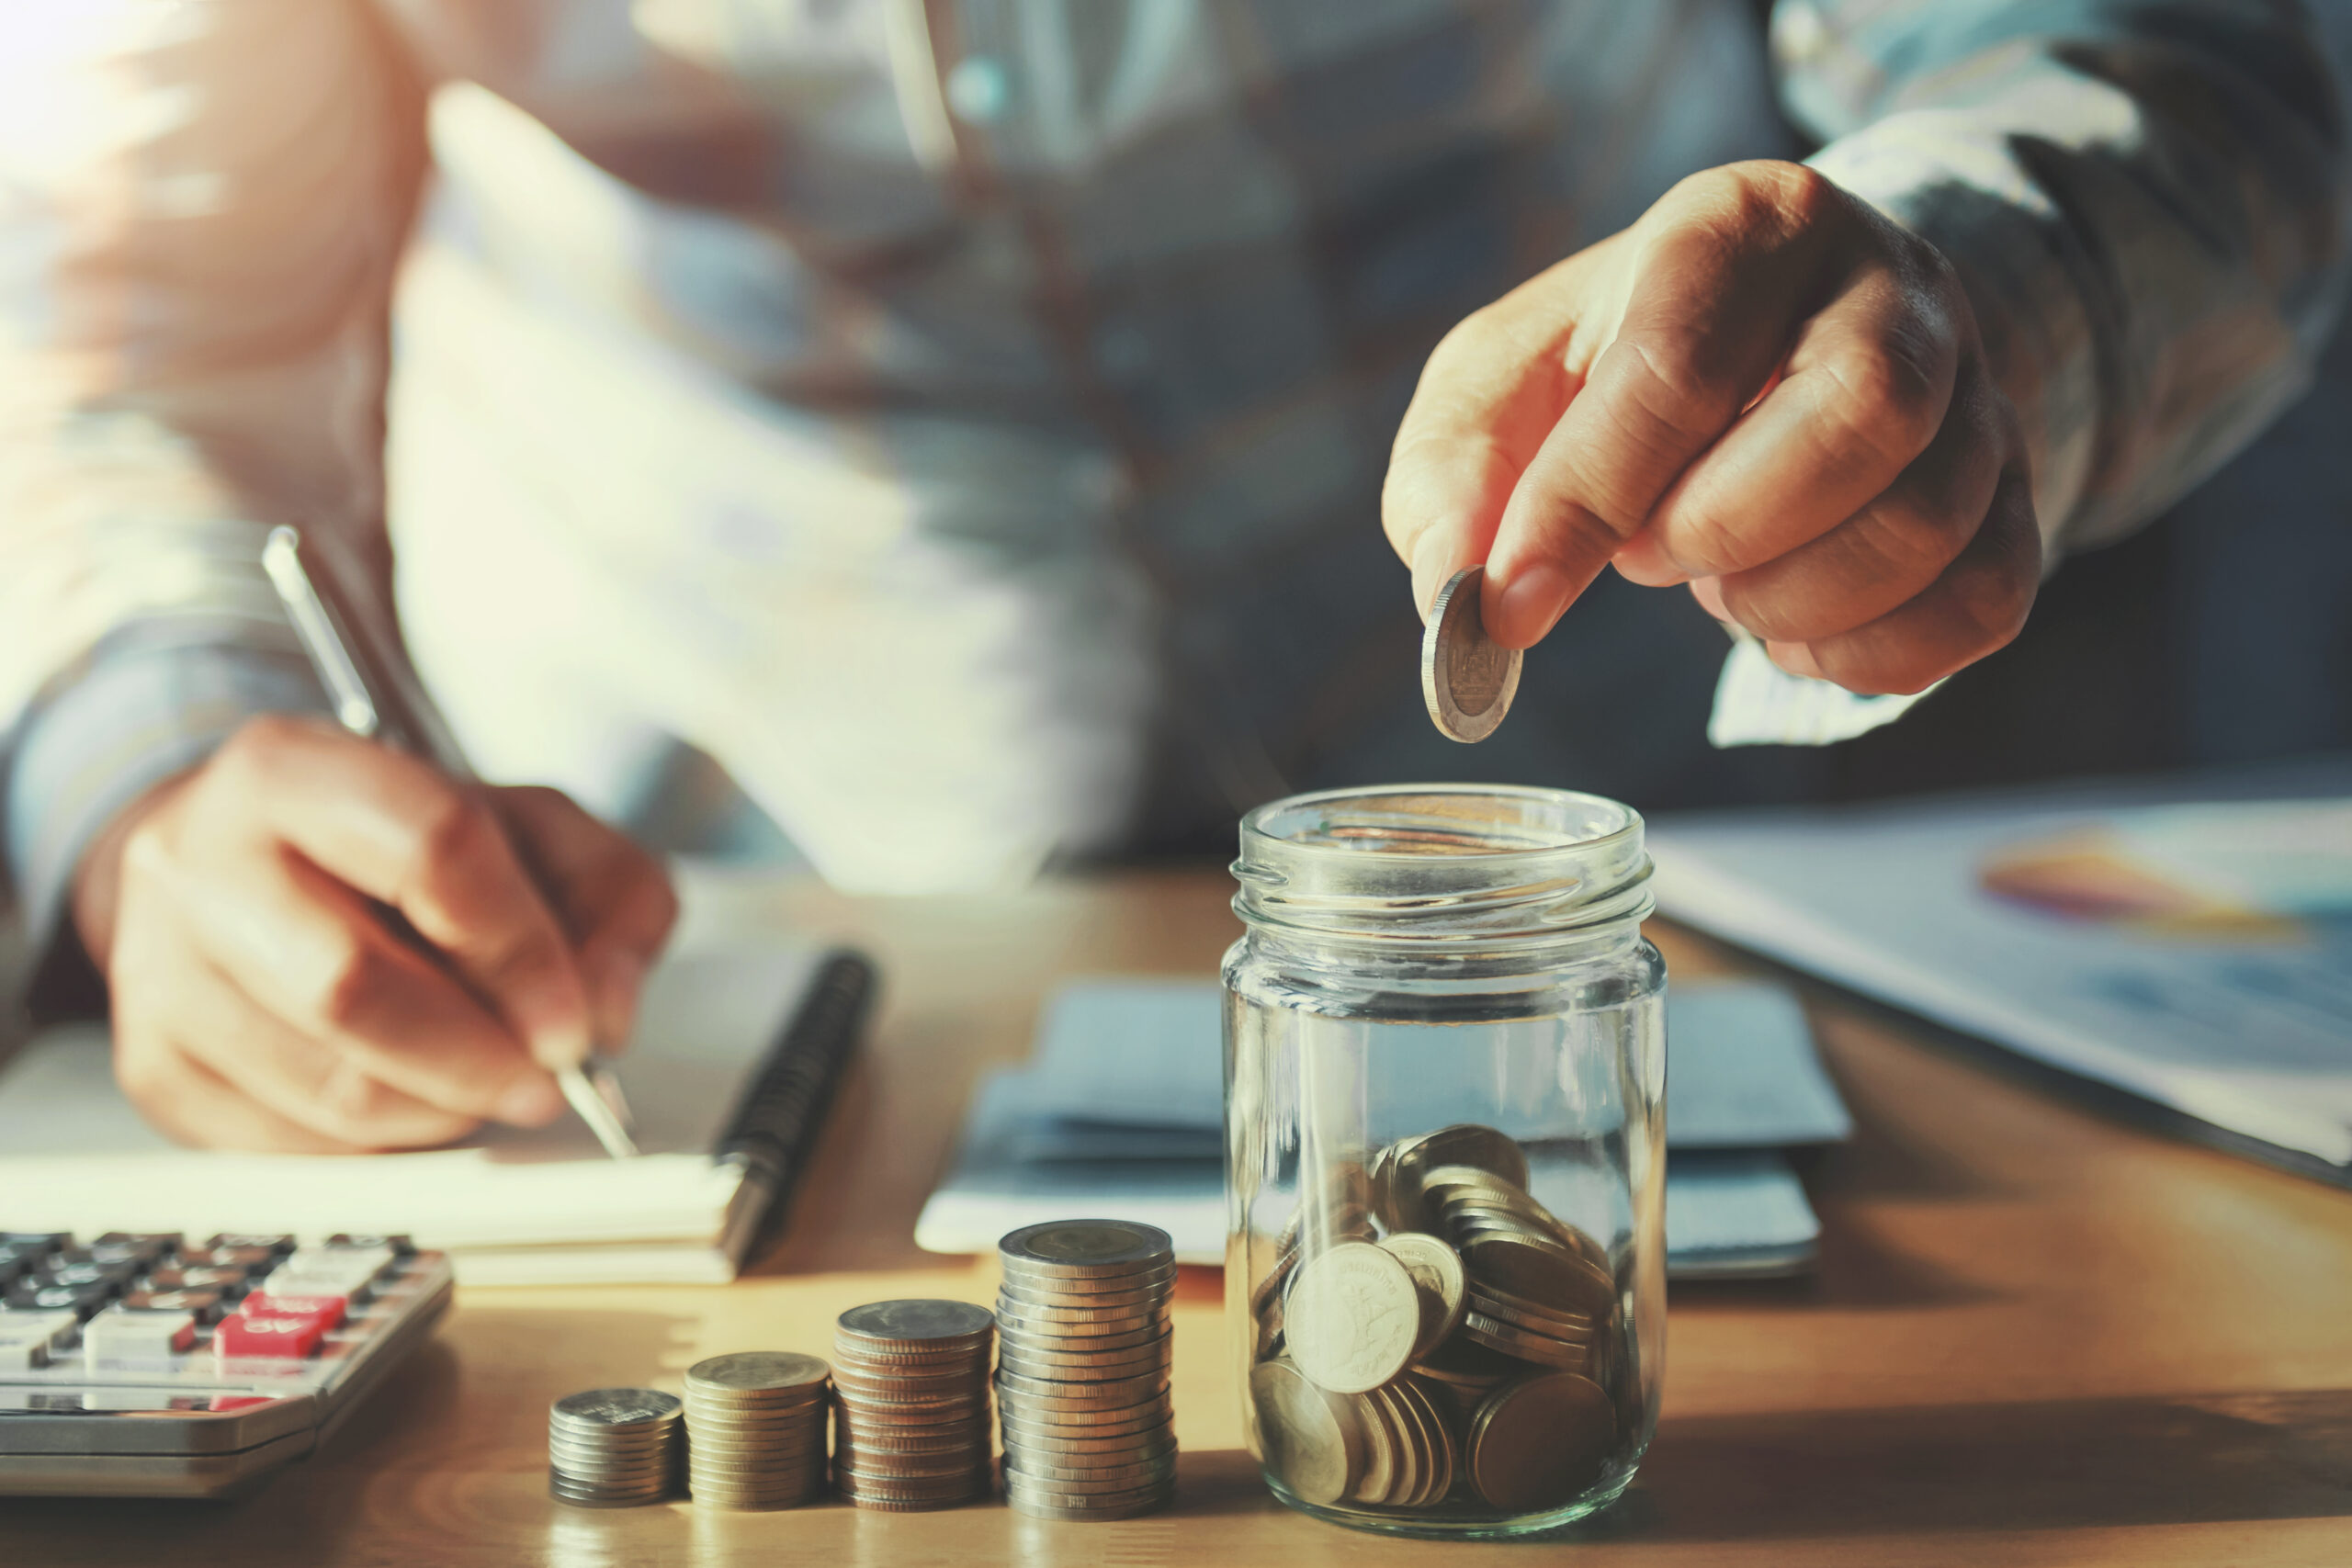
(2036, 1337)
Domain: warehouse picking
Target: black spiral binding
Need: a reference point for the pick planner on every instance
(776, 1124)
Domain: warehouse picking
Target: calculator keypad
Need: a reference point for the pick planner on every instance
(233, 1309)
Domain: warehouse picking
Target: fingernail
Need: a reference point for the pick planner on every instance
(1428, 576)
(554, 1019)
(1795, 658)
(1529, 604)
(531, 1100)
(620, 979)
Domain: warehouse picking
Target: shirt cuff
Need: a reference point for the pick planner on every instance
(131, 719)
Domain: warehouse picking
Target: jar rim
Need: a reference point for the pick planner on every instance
(1442, 864)
(1627, 826)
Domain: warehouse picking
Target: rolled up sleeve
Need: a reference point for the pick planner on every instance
(2145, 200)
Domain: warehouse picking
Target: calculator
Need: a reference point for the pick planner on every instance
(162, 1366)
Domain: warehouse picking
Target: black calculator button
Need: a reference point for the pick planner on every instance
(206, 1306)
(280, 1245)
(125, 1246)
(81, 1300)
(228, 1281)
(109, 1277)
(246, 1258)
(399, 1245)
(37, 1241)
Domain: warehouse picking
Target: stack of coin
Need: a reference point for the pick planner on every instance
(910, 1383)
(1426, 1327)
(613, 1448)
(755, 1429)
(1082, 1369)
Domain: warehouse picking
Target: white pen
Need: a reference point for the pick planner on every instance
(382, 710)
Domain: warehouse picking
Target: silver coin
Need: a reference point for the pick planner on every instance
(920, 1321)
(1102, 1477)
(1039, 1510)
(1020, 1418)
(1468, 678)
(1163, 1277)
(1032, 1292)
(1068, 1369)
(1112, 1391)
(1052, 1309)
(1091, 1247)
(800, 1467)
(613, 1408)
(663, 1442)
(973, 1485)
(761, 1501)
(1032, 1327)
(1057, 1497)
(1021, 1341)
(757, 1372)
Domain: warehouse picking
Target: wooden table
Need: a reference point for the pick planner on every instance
(2035, 1337)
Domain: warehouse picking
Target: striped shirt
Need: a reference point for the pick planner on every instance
(964, 418)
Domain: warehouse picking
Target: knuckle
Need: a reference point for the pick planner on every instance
(1895, 390)
(1993, 605)
(1663, 374)
(350, 984)
(455, 828)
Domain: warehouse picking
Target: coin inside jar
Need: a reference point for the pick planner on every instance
(1318, 1453)
(1352, 1317)
(1468, 678)
(1437, 1275)
(1535, 1444)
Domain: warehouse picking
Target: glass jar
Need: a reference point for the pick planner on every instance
(1445, 1154)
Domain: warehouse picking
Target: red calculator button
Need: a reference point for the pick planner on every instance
(284, 1338)
(325, 1311)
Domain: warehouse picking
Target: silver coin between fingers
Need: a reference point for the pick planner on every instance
(1468, 678)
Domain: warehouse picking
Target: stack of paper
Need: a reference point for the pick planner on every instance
(1120, 1112)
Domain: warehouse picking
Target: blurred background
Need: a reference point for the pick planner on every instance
(2221, 636)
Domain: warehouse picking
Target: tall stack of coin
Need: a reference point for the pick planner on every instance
(755, 1429)
(1082, 1369)
(613, 1448)
(1428, 1334)
(910, 1382)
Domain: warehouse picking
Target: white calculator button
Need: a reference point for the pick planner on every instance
(23, 1355)
(130, 1334)
(46, 1326)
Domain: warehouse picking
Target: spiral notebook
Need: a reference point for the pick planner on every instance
(734, 1059)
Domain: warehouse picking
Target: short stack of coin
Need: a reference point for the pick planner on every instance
(613, 1448)
(910, 1383)
(1083, 1356)
(755, 1429)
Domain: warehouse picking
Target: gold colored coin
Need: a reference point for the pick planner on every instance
(1536, 1444)
(1438, 1278)
(1468, 678)
(1352, 1317)
(1540, 1271)
(1309, 1443)
(1383, 1448)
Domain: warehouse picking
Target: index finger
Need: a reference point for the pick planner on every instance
(614, 897)
(392, 828)
(1491, 391)
(1716, 290)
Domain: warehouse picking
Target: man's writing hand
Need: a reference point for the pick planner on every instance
(261, 1001)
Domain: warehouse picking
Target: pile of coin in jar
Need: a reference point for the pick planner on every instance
(1431, 1336)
